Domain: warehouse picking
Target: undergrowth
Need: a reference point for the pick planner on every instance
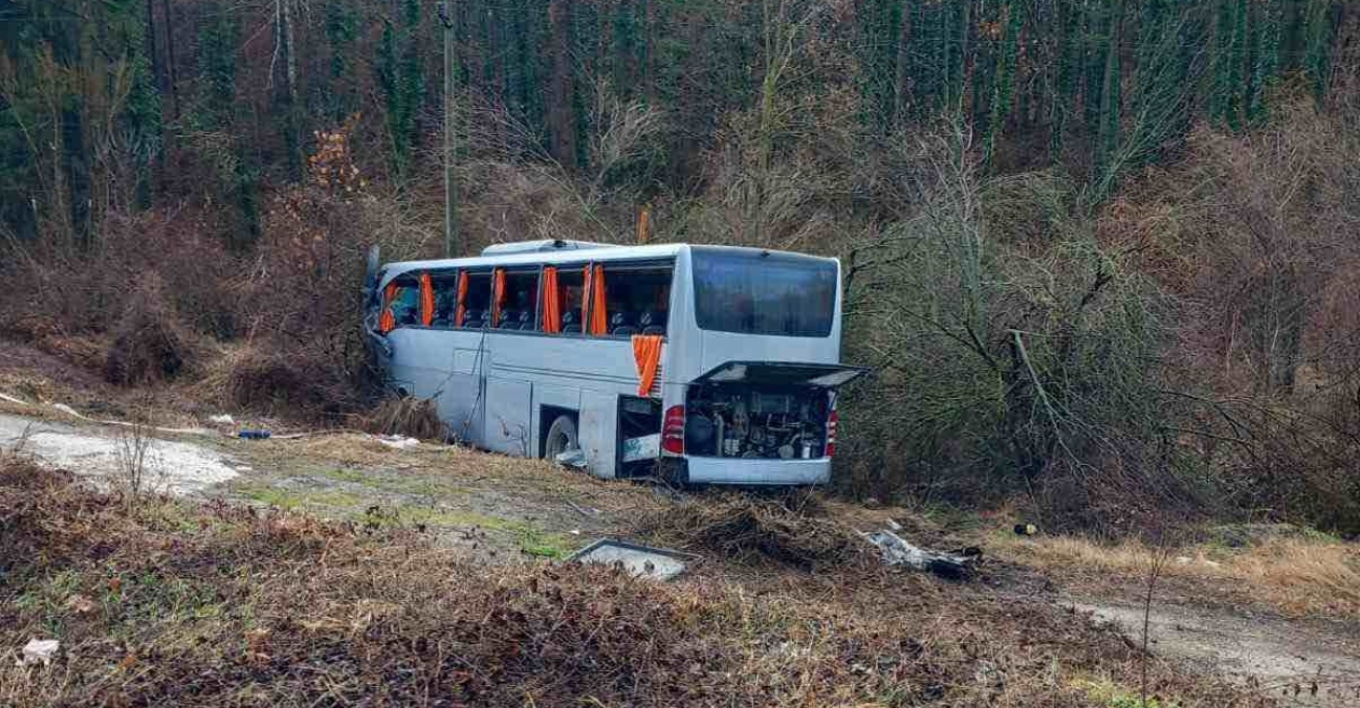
(218, 605)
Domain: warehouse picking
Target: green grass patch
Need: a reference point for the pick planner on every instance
(297, 499)
(1112, 695)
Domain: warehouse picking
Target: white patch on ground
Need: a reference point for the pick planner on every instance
(170, 467)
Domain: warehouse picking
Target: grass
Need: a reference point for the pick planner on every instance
(300, 499)
(1298, 573)
(1107, 693)
(277, 607)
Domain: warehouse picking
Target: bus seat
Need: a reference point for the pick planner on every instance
(652, 323)
(509, 320)
(472, 319)
(619, 325)
(526, 320)
(570, 323)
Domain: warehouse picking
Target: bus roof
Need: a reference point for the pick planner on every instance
(599, 254)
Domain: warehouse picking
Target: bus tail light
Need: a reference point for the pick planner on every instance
(832, 423)
(673, 431)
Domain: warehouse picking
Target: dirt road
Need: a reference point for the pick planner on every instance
(1299, 662)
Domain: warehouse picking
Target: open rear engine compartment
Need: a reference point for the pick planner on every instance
(756, 422)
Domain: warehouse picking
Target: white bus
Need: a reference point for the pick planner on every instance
(699, 364)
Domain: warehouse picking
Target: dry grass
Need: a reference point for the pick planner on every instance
(407, 416)
(222, 606)
(149, 344)
(746, 529)
(1299, 576)
(525, 481)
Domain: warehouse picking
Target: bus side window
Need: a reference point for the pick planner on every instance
(403, 303)
(519, 305)
(638, 300)
(570, 298)
(477, 302)
(445, 299)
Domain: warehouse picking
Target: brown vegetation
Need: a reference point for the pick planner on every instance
(742, 528)
(222, 606)
(1297, 576)
(1108, 278)
(407, 416)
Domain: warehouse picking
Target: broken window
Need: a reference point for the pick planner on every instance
(570, 290)
(402, 304)
(637, 299)
(517, 306)
(476, 300)
(445, 287)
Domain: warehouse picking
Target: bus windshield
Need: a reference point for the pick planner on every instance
(749, 292)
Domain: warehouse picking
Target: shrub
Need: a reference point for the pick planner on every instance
(148, 344)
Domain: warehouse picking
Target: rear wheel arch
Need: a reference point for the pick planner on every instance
(554, 423)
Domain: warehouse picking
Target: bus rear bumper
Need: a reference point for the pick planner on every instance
(728, 470)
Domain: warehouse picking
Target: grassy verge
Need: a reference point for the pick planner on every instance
(165, 603)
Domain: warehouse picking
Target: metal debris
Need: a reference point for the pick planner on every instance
(898, 552)
(641, 561)
(575, 459)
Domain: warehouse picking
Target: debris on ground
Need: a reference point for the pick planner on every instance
(224, 419)
(575, 459)
(640, 561)
(254, 434)
(1026, 529)
(898, 552)
(40, 651)
(743, 528)
(396, 442)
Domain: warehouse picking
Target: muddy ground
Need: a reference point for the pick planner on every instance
(502, 510)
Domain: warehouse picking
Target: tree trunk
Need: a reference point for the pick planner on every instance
(168, 23)
(901, 92)
(562, 125)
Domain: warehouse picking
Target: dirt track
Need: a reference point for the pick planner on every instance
(1305, 663)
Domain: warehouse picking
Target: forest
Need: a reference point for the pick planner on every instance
(1101, 255)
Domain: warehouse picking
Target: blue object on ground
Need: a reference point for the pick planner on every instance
(254, 434)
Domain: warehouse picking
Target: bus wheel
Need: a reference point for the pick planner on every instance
(561, 437)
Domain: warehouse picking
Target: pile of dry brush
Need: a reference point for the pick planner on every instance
(160, 297)
(223, 606)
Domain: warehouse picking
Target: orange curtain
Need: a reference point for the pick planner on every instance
(498, 299)
(552, 302)
(585, 301)
(388, 321)
(647, 354)
(599, 321)
(426, 300)
(461, 313)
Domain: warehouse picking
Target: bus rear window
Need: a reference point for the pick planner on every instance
(771, 294)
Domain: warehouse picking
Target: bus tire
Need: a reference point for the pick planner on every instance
(561, 437)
